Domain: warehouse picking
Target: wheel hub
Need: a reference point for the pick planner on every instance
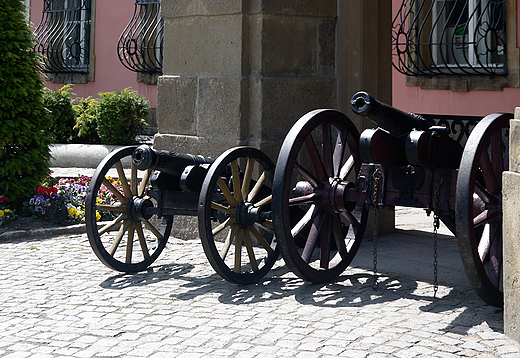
(248, 214)
(138, 209)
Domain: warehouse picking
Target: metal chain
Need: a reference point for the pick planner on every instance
(377, 176)
(436, 225)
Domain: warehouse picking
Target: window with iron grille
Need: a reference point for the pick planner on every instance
(63, 36)
(450, 38)
(140, 46)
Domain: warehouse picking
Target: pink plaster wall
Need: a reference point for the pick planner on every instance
(478, 103)
(111, 17)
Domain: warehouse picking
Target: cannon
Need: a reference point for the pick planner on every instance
(328, 176)
(136, 192)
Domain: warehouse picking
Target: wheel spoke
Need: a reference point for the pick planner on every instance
(490, 179)
(130, 243)
(260, 239)
(327, 150)
(304, 221)
(338, 236)
(122, 179)
(312, 239)
(133, 179)
(227, 194)
(237, 190)
(306, 174)
(350, 164)
(485, 195)
(325, 244)
(119, 236)
(250, 252)
(222, 226)
(315, 158)
(495, 255)
(220, 207)
(142, 240)
(254, 192)
(102, 207)
(238, 250)
(304, 199)
(231, 234)
(144, 182)
(111, 224)
(247, 176)
(264, 201)
(352, 219)
(339, 149)
(114, 191)
(154, 231)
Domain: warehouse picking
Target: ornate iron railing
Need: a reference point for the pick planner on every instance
(63, 36)
(450, 37)
(140, 46)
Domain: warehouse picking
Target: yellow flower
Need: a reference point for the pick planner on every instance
(99, 201)
(1, 213)
(71, 211)
(98, 216)
(8, 211)
(78, 213)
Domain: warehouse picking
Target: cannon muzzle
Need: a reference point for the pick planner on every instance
(393, 120)
(172, 163)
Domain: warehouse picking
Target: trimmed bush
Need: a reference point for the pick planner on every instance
(121, 116)
(86, 122)
(62, 116)
(24, 143)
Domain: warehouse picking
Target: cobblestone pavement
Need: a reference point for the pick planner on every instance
(57, 299)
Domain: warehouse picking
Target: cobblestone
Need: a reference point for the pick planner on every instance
(58, 300)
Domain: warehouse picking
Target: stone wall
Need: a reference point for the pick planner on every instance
(511, 223)
(242, 72)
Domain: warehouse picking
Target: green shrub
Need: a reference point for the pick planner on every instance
(62, 116)
(121, 116)
(24, 143)
(86, 122)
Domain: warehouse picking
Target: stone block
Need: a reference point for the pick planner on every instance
(176, 104)
(322, 8)
(511, 253)
(208, 147)
(514, 143)
(203, 46)
(284, 100)
(289, 46)
(182, 8)
(223, 110)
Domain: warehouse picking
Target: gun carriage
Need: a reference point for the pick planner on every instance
(328, 176)
(129, 219)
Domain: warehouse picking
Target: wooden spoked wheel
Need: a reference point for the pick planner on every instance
(122, 228)
(478, 206)
(235, 223)
(318, 232)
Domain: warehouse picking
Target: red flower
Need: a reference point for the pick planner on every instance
(3, 199)
(52, 191)
(41, 190)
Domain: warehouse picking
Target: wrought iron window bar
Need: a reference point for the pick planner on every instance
(450, 38)
(140, 46)
(63, 36)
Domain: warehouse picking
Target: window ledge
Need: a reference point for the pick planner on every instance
(465, 83)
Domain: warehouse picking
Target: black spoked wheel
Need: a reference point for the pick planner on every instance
(235, 215)
(122, 228)
(318, 233)
(478, 206)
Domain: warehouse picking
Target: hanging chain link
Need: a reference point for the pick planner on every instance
(377, 176)
(436, 225)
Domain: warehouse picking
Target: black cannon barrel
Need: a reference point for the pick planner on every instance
(393, 120)
(172, 163)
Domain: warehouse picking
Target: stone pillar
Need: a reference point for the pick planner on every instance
(242, 72)
(511, 231)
